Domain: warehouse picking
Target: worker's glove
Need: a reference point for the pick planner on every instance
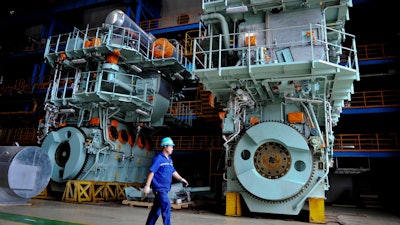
(146, 190)
(184, 182)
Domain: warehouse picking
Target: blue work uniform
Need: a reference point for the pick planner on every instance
(163, 168)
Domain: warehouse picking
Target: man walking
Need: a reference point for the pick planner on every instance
(160, 178)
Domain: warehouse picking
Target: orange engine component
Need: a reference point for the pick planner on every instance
(162, 48)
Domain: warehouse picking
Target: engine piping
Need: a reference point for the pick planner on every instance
(224, 25)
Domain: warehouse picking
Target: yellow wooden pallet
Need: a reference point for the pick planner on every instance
(150, 204)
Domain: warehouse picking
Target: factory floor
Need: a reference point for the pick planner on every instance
(45, 212)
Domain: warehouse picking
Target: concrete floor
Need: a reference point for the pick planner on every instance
(44, 212)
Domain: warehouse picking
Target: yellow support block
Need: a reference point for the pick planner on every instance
(120, 191)
(78, 191)
(92, 191)
(233, 205)
(98, 191)
(111, 191)
(317, 210)
(45, 194)
(69, 192)
(84, 191)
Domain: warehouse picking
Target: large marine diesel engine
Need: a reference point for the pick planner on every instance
(281, 71)
(111, 88)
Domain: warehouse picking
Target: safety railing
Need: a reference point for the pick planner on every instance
(170, 21)
(206, 56)
(369, 99)
(367, 142)
(108, 83)
(80, 42)
(182, 112)
(376, 51)
(25, 107)
(194, 106)
(343, 142)
(194, 143)
(22, 136)
(163, 49)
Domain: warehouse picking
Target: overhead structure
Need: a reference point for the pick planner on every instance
(282, 71)
(108, 95)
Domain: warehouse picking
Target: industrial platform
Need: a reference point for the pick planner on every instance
(40, 211)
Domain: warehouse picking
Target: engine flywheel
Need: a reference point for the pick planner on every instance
(273, 161)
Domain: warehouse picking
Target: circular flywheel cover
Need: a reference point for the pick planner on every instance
(66, 149)
(272, 161)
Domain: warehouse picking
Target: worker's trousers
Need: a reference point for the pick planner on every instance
(162, 206)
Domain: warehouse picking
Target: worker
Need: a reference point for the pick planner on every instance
(160, 178)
